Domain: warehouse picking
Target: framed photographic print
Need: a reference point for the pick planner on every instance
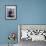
(10, 12)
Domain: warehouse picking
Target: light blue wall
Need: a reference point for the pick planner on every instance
(28, 12)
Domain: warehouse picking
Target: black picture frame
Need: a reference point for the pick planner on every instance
(10, 12)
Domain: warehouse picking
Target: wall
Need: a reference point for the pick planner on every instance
(28, 12)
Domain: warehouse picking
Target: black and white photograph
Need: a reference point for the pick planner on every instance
(11, 12)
